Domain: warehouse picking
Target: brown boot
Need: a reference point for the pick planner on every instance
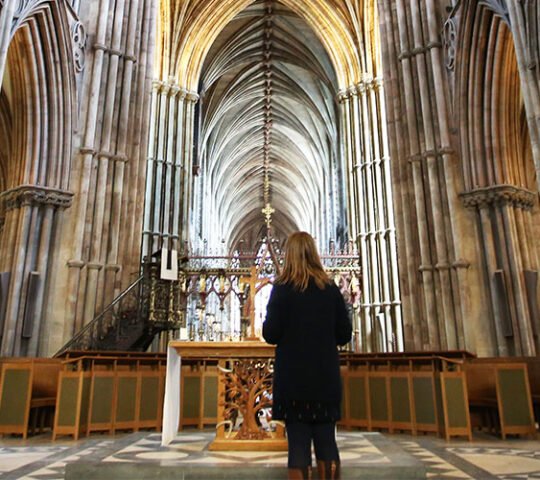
(299, 473)
(328, 470)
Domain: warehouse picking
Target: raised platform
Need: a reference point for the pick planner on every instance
(365, 455)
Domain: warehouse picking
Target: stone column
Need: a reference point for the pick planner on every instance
(191, 100)
(411, 294)
(424, 256)
(169, 174)
(73, 309)
(30, 212)
(370, 199)
(500, 209)
(114, 235)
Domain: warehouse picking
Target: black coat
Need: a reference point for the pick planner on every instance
(307, 327)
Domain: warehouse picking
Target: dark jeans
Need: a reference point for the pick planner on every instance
(300, 435)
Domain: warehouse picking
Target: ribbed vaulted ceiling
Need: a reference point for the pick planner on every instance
(268, 110)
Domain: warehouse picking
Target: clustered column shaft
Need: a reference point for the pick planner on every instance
(429, 210)
(170, 164)
(115, 125)
(371, 214)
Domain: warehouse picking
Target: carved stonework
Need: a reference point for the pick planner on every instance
(499, 195)
(78, 37)
(22, 11)
(247, 392)
(25, 195)
(499, 7)
(450, 35)
(22, 7)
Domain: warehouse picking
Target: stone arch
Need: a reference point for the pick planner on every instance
(338, 30)
(37, 169)
(349, 35)
(499, 180)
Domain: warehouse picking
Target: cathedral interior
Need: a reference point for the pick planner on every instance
(403, 131)
(156, 154)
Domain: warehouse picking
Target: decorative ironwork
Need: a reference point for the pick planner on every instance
(214, 298)
(247, 397)
(122, 315)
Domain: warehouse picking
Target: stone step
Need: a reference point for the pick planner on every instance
(130, 471)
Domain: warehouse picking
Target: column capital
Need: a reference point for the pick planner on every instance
(192, 96)
(343, 96)
(499, 195)
(25, 195)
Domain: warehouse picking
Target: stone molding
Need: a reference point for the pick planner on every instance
(367, 83)
(78, 39)
(499, 195)
(450, 36)
(499, 7)
(170, 88)
(26, 195)
(406, 54)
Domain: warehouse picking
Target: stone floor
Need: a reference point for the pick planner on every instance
(485, 458)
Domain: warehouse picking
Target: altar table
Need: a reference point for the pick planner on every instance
(237, 397)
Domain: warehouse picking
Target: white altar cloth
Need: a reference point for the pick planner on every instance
(171, 404)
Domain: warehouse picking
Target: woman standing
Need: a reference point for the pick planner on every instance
(307, 319)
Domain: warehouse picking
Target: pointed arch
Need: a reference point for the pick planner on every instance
(498, 176)
(198, 25)
(37, 170)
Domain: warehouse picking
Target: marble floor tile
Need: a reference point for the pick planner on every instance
(486, 458)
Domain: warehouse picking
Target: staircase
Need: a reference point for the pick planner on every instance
(134, 318)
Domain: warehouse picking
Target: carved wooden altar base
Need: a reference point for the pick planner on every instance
(266, 445)
(244, 393)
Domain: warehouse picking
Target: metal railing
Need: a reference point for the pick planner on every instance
(129, 305)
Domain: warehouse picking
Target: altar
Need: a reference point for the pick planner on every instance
(244, 394)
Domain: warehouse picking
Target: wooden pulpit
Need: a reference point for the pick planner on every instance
(244, 393)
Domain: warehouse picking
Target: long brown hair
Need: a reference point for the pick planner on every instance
(302, 262)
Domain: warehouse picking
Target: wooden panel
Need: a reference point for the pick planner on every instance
(45, 378)
(401, 416)
(101, 402)
(455, 405)
(150, 398)
(379, 400)
(514, 400)
(85, 401)
(15, 394)
(191, 397)
(358, 408)
(68, 401)
(424, 405)
(210, 399)
(127, 403)
(71, 415)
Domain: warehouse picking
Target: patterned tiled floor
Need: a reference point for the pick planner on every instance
(485, 458)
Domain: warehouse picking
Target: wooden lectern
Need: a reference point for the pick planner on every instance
(244, 393)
